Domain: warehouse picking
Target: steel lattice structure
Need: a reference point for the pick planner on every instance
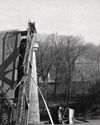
(15, 77)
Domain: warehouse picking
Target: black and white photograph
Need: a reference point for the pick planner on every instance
(49, 62)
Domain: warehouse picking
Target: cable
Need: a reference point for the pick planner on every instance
(44, 101)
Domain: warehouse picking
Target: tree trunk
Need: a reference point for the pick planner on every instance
(54, 92)
(55, 87)
(69, 94)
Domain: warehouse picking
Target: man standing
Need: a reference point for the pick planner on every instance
(60, 115)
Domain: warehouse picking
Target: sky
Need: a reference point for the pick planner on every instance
(68, 17)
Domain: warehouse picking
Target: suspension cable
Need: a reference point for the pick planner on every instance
(44, 101)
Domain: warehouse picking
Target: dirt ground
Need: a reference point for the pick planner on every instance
(90, 122)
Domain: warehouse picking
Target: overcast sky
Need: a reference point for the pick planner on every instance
(70, 17)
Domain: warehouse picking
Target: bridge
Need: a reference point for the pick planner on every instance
(19, 103)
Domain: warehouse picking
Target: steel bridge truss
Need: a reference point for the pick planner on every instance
(15, 75)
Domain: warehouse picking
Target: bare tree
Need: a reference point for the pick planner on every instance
(44, 60)
(73, 48)
(59, 53)
(88, 67)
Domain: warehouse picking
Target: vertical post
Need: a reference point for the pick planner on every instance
(34, 117)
